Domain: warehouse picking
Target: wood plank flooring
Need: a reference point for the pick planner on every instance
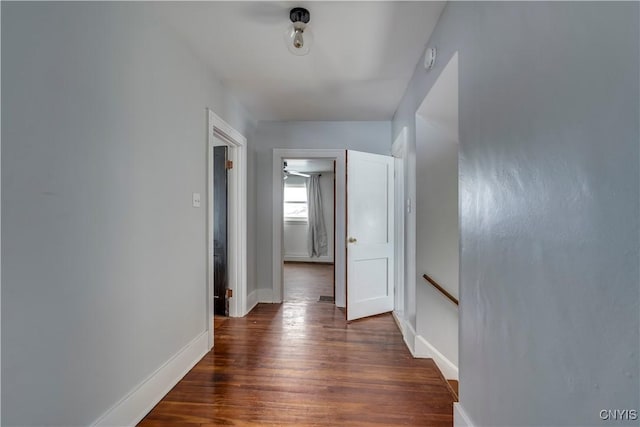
(300, 364)
(307, 281)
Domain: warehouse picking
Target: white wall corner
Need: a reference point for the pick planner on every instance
(424, 349)
(133, 407)
(252, 301)
(265, 295)
(460, 417)
(409, 335)
(399, 322)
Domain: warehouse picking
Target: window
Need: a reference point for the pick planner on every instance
(295, 200)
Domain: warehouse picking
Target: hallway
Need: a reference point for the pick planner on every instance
(299, 363)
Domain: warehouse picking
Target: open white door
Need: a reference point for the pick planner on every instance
(370, 229)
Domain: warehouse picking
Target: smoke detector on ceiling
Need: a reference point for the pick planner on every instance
(430, 58)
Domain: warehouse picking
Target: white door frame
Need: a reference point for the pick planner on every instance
(237, 217)
(398, 151)
(339, 257)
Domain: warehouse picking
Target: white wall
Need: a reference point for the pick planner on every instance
(103, 257)
(362, 136)
(295, 232)
(252, 212)
(0, 245)
(549, 206)
(437, 240)
(437, 220)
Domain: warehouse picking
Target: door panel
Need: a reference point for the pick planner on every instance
(220, 276)
(373, 272)
(370, 226)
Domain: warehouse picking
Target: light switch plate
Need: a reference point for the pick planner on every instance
(196, 200)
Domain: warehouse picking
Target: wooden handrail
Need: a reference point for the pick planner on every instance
(441, 289)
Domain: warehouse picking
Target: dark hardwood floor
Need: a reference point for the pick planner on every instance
(299, 363)
(305, 281)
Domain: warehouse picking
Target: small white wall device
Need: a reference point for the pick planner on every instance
(429, 58)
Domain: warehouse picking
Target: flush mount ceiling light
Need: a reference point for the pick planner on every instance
(298, 37)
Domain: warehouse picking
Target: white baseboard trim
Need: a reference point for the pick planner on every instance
(252, 301)
(424, 348)
(399, 322)
(410, 338)
(421, 348)
(265, 295)
(305, 258)
(133, 407)
(460, 417)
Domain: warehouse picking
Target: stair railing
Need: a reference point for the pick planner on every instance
(441, 289)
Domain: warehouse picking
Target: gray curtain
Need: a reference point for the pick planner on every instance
(317, 237)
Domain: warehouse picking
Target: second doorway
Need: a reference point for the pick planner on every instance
(308, 230)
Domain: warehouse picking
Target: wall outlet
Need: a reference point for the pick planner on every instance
(196, 200)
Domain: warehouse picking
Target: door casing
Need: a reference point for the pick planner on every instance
(219, 130)
(398, 151)
(340, 221)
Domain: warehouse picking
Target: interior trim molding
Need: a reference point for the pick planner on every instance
(136, 404)
(399, 322)
(460, 417)
(424, 349)
(398, 150)
(326, 259)
(409, 335)
(220, 132)
(421, 348)
(339, 156)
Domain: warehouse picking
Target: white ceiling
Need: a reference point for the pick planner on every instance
(361, 60)
(309, 165)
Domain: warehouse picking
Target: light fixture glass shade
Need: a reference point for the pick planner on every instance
(298, 38)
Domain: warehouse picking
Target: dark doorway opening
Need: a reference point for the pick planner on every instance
(220, 240)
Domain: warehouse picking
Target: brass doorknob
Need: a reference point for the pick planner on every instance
(352, 240)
